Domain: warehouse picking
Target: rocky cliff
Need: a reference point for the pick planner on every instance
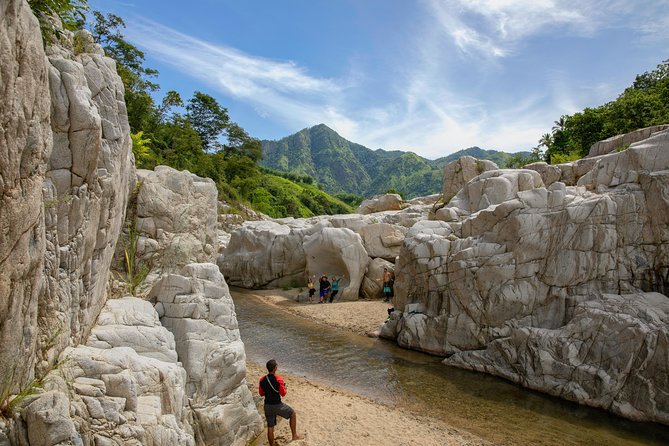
(562, 289)
(77, 366)
(554, 277)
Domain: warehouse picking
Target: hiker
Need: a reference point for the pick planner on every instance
(335, 287)
(312, 290)
(272, 387)
(324, 289)
(387, 284)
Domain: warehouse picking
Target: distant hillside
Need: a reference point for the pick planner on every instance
(340, 165)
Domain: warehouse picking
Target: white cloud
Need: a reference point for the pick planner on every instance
(493, 27)
(272, 87)
(425, 110)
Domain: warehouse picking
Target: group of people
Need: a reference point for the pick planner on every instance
(273, 387)
(327, 290)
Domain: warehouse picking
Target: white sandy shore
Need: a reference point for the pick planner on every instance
(334, 417)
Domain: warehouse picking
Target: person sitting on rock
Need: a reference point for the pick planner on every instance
(272, 387)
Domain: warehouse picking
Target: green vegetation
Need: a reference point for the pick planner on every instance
(197, 135)
(344, 167)
(72, 14)
(643, 104)
(8, 402)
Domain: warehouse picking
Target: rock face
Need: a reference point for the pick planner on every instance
(282, 252)
(197, 308)
(137, 382)
(264, 254)
(24, 151)
(611, 354)
(459, 172)
(621, 142)
(562, 289)
(65, 174)
(128, 387)
(176, 217)
(86, 189)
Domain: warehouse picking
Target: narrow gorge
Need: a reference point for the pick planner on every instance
(554, 277)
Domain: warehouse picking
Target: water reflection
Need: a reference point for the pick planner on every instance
(487, 406)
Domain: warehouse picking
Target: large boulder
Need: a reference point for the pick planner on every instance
(513, 283)
(380, 203)
(121, 389)
(25, 148)
(264, 254)
(621, 142)
(176, 218)
(197, 308)
(494, 187)
(629, 166)
(337, 252)
(372, 282)
(459, 172)
(612, 354)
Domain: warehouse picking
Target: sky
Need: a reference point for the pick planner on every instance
(428, 76)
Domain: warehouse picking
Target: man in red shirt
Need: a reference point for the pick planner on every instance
(272, 387)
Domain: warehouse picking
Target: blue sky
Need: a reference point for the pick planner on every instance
(430, 76)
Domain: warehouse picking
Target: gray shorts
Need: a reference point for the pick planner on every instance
(272, 410)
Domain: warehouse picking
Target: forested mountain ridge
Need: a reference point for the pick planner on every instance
(340, 165)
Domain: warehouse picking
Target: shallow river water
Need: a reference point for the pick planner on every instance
(492, 408)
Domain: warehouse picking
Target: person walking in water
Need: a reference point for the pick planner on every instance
(335, 287)
(272, 387)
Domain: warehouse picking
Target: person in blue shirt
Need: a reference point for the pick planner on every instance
(335, 287)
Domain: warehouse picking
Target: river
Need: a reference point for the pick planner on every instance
(489, 407)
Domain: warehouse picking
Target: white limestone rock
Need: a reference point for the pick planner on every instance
(198, 309)
(621, 142)
(338, 252)
(25, 147)
(176, 217)
(459, 172)
(121, 396)
(88, 181)
(494, 187)
(264, 254)
(549, 173)
(380, 203)
(519, 283)
(611, 355)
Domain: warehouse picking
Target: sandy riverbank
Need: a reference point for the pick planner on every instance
(362, 317)
(333, 417)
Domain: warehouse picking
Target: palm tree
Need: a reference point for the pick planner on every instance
(546, 140)
(560, 124)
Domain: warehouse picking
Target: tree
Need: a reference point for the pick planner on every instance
(546, 140)
(560, 124)
(208, 119)
(142, 113)
(72, 14)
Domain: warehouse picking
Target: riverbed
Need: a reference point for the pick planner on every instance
(489, 407)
